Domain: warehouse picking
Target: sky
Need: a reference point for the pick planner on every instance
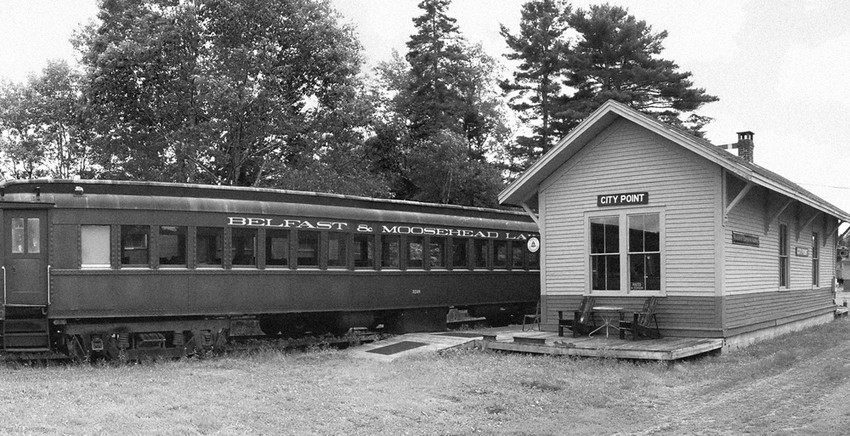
(777, 66)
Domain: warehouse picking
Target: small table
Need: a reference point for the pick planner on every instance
(607, 313)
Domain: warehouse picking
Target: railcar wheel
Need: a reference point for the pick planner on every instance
(271, 326)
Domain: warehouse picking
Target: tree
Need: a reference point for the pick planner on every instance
(571, 62)
(439, 110)
(437, 59)
(541, 48)
(40, 132)
(617, 57)
(440, 168)
(222, 91)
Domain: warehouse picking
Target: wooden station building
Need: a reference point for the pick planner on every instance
(629, 207)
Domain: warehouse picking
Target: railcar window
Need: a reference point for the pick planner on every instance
(518, 256)
(480, 253)
(244, 248)
(437, 250)
(500, 254)
(18, 231)
(459, 250)
(336, 249)
(364, 251)
(94, 246)
(390, 251)
(33, 235)
(26, 235)
(414, 252)
(534, 260)
(134, 245)
(172, 245)
(209, 246)
(308, 248)
(277, 247)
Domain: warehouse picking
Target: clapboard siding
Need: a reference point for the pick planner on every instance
(627, 158)
(756, 309)
(756, 269)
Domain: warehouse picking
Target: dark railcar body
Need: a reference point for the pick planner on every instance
(132, 300)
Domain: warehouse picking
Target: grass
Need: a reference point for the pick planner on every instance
(795, 384)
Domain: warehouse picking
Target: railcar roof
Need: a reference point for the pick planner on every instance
(155, 189)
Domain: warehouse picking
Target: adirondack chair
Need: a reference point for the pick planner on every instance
(532, 318)
(642, 324)
(582, 322)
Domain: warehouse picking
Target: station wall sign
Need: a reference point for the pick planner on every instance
(801, 251)
(747, 239)
(626, 199)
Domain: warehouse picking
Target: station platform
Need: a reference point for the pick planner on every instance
(513, 339)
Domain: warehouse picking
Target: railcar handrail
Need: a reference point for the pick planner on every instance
(48, 285)
(4, 284)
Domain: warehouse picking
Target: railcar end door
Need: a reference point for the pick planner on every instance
(25, 254)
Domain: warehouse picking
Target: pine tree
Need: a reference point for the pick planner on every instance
(541, 49)
(617, 57)
(437, 59)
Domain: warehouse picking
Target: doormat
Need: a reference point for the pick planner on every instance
(460, 334)
(397, 348)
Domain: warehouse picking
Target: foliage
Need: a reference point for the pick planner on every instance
(440, 117)
(440, 168)
(39, 125)
(244, 92)
(571, 62)
(541, 49)
(616, 58)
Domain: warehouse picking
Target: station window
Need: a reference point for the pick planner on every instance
(437, 251)
(244, 247)
(517, 256)
(277, 247)
(644, 252)
(208, 246)
(364, 251)
(815, 261)
(415, 248)
(336, 249)
(459, 252)
(308, 248)
(172, 245)
(500, 254)
(605, 253)
(480, 248)
(783, 256)
(390, 251)
(94, 246)
(134, 245)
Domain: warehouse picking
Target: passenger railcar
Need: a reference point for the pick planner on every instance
(132, 267)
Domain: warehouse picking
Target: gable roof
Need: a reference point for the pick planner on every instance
(525, 187)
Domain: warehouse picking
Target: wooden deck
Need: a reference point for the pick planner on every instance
(664, 349)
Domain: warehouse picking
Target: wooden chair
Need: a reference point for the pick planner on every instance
(532, 318)
(642, 324)
(582, 322)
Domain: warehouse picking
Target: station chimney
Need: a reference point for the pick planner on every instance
(745, 146)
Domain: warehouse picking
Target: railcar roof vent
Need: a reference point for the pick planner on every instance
(78, 191)
(38, 193)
